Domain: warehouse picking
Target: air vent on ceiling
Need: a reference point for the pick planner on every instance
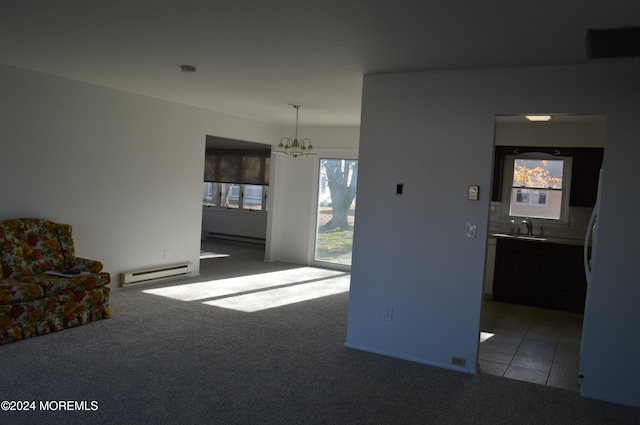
(187, 68)
(613, 43)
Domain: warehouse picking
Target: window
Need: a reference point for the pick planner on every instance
(538, 186)
(236, 179)
(336, 207)
(235, 196)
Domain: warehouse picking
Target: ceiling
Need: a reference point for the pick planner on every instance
(255, 57)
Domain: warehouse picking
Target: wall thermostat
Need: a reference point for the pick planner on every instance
(473, 193)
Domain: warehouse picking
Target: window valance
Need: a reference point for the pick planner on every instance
(237, 166)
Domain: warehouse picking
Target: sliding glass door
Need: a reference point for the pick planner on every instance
(336, 210)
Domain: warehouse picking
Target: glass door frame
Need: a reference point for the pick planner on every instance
(339, 154)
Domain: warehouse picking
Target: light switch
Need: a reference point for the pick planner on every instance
(399, 188)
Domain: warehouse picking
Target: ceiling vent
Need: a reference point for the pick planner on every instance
(187, 68)
(613, 43)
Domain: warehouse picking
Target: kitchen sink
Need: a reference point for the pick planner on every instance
(531, 238)
(548, 239)
(519, 236)
(503, 235)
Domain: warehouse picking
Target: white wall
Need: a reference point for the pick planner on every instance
(124, 170)
(433, 132)
(234, 222)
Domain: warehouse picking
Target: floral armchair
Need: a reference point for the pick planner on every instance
(33, 302)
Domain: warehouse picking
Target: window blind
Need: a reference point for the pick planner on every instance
(237, 166)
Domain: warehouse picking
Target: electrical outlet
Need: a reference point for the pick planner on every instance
(457, 361)
(167, 254)
(388, 314)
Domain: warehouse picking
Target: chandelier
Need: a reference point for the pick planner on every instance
(295, 147)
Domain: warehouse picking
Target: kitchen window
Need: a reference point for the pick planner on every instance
(538, 186)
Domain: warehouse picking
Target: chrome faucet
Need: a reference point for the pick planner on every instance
(527, 222)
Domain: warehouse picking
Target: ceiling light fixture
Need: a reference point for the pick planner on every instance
(538, 117)
(295, 147)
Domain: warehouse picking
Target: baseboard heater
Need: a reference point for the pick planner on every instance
(158, 273)
(236, 238)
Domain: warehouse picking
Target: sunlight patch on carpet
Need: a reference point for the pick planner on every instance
(279, 297)
(261, 291)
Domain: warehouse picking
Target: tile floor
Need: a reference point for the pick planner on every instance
(530, 344)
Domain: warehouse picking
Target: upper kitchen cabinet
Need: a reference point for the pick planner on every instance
(584, 176)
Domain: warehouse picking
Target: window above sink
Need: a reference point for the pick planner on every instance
(537, 186)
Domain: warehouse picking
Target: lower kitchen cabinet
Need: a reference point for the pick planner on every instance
(540, 274)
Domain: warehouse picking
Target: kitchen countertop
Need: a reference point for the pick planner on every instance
(535, 238)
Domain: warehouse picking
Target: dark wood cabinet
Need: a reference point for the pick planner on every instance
(520, 271)
(539, 274)
(499, 152)
(584, 176)
(567, 281)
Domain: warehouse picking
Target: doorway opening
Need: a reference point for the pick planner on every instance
(535, 286)
(235, 191)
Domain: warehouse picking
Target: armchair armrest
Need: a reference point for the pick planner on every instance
(85, 264)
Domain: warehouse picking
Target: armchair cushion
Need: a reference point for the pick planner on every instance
(53, 285)
(30, 247)
(92, 266)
